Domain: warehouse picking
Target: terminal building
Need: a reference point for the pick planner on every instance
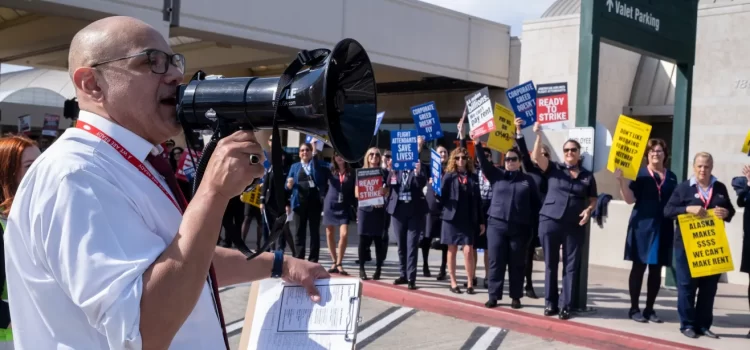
(424, 53)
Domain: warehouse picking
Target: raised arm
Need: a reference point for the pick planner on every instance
(521, 143)
(626, 187)
(541, 161)
(490, 171)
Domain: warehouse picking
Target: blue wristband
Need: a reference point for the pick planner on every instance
(278, 263)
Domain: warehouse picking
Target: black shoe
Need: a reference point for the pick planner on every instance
(376, 275)
(441, 276)
(551, 311)
(530, 293)
(426, 271)
(690, 333)
(650, 315)
(456, 290)
(363, 275)
(491, 303)
(516, 304)
(564, 314)
(412, 285)
(708, 333)
(470, 290)
(473, 282)
(636, 316)
(400, 280)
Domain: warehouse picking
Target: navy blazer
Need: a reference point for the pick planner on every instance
(418, 203)
(449, 198)
(567, 197)
(335, 187)
(320, 174)
(686, 194)
(514, 198)
(540, 182)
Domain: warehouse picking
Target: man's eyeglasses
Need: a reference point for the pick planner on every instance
(159, 61)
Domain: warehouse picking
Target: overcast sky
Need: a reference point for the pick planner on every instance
(510, 12)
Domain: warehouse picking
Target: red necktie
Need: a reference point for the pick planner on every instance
(162, 166)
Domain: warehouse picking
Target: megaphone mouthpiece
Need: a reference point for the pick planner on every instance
(334, 99)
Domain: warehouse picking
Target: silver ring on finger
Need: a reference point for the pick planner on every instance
(254, 159)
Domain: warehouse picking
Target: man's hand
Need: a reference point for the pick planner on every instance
(519, 124)
(289, 183)
(585, 216)
(696, 210)
(304, 273)
(229, 169)
(721, 213)
(420, 142)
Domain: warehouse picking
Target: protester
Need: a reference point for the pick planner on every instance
(695, 296)
(461, 205)
(308, 181)
(371, 223)
(540, 185)
(407, 207)
(571, 198)
(338, 207)
(103, 252)
(650, 234)
(741, 185)
(511, 212)
(17, 153)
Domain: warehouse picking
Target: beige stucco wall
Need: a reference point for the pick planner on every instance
(719, 105)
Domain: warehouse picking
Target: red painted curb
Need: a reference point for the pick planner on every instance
(536, 325)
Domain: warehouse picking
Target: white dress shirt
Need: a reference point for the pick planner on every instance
(84, 227)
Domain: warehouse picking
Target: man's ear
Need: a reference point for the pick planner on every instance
(85, 81)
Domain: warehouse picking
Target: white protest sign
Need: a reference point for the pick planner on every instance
(479, 111)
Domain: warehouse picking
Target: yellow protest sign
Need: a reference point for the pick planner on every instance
(628, 146)
(706, 244)
(503, 137)
(746, 145)
(252, 197)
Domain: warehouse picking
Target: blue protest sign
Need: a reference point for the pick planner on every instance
(404, 149)
(318, 145)
(523, 101)
(427, 121)
(267, 162)
(436, 168)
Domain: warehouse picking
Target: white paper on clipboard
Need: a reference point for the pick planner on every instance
(286, 318)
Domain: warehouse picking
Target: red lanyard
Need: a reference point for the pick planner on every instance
(706, 200)
(125, 154)
(342, 177)
(462, 179)
(658, 185)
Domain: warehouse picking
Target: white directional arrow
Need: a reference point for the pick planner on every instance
(610, 4)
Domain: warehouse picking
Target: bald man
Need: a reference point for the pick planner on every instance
(101, 252)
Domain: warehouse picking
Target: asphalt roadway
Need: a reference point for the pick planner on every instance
(389, 326)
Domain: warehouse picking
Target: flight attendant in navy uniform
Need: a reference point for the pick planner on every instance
(571, 198)
(408, 209)
(461, 202)
(371, 221)
(540, 185)
(434, 222)
(511, 213)
(338, 207)
(741, 185)
(650, 234)
(696, 195)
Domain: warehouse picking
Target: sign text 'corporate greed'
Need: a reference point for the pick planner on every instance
(634, 13)
(427, 120)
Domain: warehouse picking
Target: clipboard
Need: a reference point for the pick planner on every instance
(349, 336)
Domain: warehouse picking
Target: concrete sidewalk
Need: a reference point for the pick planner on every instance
(607, 294)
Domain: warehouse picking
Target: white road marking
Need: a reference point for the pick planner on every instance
(372, 329)
(486, 339)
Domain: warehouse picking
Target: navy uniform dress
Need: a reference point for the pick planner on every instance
(695, 314)
(512, 212)
(462, 208)
(540, 185)
(339, 201)
(371, 225)
(650, 235)
(559, 225)
(742, 189)
(407, 207)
